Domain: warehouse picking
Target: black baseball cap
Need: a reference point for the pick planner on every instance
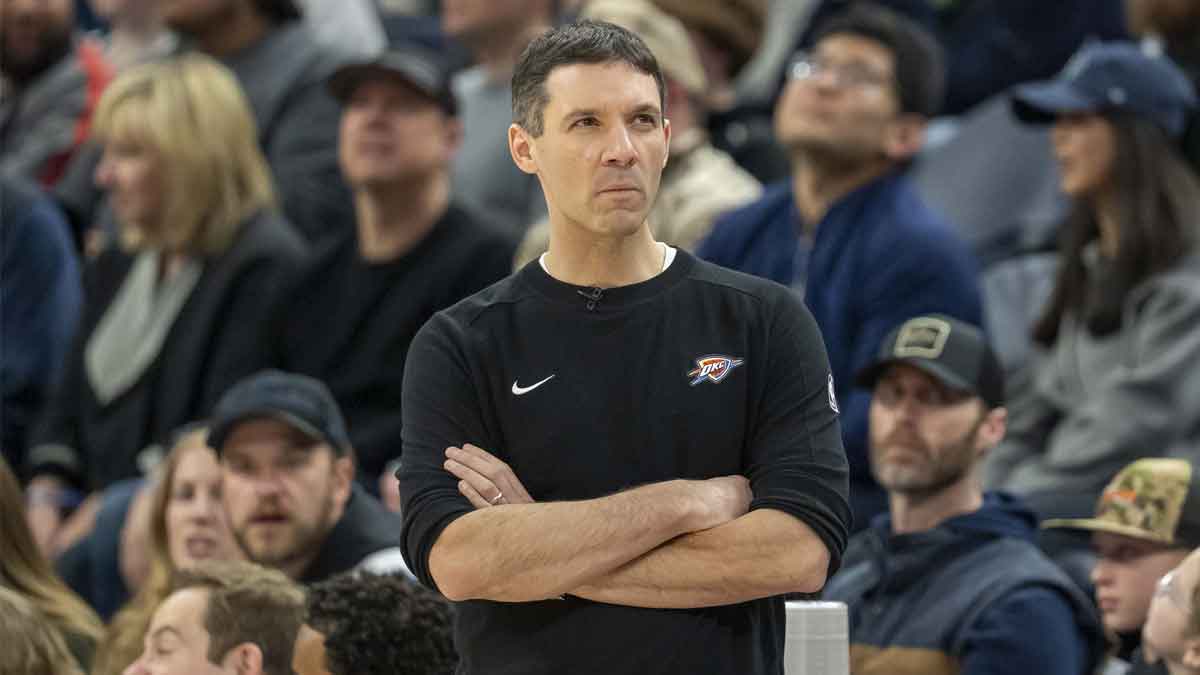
(405, 59)
(954, 352)
(1111, 76)
(299, 401)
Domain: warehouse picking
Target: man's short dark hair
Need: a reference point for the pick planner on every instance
(580, 42)
(381, 624)
(247, 603)
(920, 67)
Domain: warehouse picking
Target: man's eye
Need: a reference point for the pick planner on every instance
(585, 122)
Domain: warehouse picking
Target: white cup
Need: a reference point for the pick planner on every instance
(817, 639)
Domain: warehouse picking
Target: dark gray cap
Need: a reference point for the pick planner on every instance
(954, 352)
(299, 401)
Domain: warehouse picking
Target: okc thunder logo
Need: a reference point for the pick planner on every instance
(713, 368)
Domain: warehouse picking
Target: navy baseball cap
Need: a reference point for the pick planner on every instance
(954, 352)
(1111, 76)
(407, 60)
(299, 401)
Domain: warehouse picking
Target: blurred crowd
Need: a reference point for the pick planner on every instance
(223, 222)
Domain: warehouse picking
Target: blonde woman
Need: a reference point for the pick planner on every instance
(173, 316)
(32, 645)
(26, 572)
(186, 525)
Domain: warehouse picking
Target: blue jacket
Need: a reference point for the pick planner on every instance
(972, 596)
(880, 257)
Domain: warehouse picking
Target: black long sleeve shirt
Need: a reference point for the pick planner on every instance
(696, 373)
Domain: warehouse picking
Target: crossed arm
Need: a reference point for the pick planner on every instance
(677, 544)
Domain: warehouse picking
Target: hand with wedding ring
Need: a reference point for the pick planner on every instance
(480, 473)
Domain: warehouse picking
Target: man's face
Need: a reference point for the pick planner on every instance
(1167, 632)
(34, 35)
(1125, 575)
(283, 491)
(842, 105)
(309, 655)
(195, 17)
(393, 134)
(177, 641)
(924, 435)
(602, 149)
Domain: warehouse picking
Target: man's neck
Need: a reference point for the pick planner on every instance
(392, 220)
(920, 513)
(584, 259)
(231, 37)
(816, 186)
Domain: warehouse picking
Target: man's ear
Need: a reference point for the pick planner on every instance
(245, 659)
(343, 475)
(667, 133)
(991, 430)
(904, 137)
(454, 136)
(520, 146)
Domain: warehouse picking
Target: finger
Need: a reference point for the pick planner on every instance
(472, 495)
(477, 458)
(500, 473)
(482, 484)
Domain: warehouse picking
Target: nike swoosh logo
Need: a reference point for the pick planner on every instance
(521, 391)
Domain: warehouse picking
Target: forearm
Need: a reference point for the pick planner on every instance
(526, 552)
(763, 553)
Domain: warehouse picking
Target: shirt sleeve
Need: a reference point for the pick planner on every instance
(796, 462)
(440, 409)
(1033, 630)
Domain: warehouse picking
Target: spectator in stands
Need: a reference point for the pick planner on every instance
(25, 571)
(184, 523)
(40, 296)
(283, 68)
(224, 617)
(699, 182)
(288, 481)
(727, 34)
(136, 32)
(348, 614)
(32, 645)
(847, 231)
(173, 317)
(1145, 523)
(952, 575)
(1120, 375)
(415, 251)
(1173, 626)
(50, 80)
(484, 175)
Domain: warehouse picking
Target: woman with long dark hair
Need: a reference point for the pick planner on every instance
(1120, 377)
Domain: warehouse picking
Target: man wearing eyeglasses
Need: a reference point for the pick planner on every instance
(1146, 522)
(847, 231)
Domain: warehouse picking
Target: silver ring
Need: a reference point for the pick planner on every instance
(497, 498)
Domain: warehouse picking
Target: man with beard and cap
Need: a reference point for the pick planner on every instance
(951, 581)
(287, 474)
(50, 82)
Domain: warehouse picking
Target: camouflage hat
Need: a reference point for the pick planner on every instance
(1151, 499)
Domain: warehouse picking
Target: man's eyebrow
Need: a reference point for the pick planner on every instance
(581, 112)
(647, 108)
